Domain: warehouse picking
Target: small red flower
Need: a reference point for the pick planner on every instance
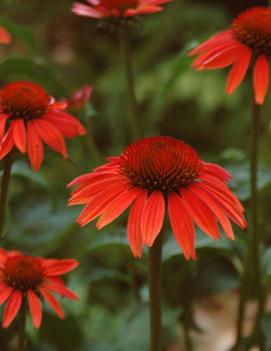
(5, 37)
(248, 39)
(32, 279)
(149, 174)
(79, 98)
(29, 118)
(117, 8)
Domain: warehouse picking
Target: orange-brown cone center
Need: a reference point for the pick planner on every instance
(23, 272)
(160, 163)
(253, 28)
(23, 100)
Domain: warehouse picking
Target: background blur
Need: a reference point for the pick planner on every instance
(64, 52)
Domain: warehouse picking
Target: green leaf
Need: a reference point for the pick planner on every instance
(36, 228)
(241, 179)
(105, 240)
(22, 169)
(135, 332)
(171, 248)
(100, 274)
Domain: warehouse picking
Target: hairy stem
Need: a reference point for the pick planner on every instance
(155, 289)
(188, 313)
(21, 334)
(4, 191)
(252, 261)
(255, 238)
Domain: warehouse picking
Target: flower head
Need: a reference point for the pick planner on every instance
(150, 174)
(248, 40)
(117, 8)
(33, 279)
(29, 117)
(79, 98)
(5, 37)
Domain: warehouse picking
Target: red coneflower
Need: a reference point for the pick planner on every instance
(117, 8)
(5, 37)
(149, 174)
(30, 279)
(29, 117)
(79, 98)
(248, 40)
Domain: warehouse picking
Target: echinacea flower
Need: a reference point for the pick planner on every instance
(247, 41)
(31, 280)
(153, 173)
(117, 8)
(5, 37)
(79, 98)
(29, 117)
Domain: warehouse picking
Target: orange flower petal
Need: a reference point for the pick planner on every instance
(35, 308)
(261, 79)
(153, 217)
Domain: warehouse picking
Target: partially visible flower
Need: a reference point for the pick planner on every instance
(153, 173)
(79, 98)
(5, 37)
(28, 279)
(29, 117)
(247, 41)
(118, 8)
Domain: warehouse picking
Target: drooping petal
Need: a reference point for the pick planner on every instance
(99, 202)
(216, 209)
(228, 206)
(134, 232)
(3, 120)
(220, 58)
(182, 225)
(239, 70)
(117, 207)
(52, 302)
(19, 134)
(34, 147)
(217, 171)
(215, 40)
(218, 187)
(200, 213)
(35, 308)
(153, 217)
(261, 79)
(7, 143)
(61, 290)
(68, 125)
(58, 267)
(5, 292)
(51, 136)
(86, 194)
(12, 308)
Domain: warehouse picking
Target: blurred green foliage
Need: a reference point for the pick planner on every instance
(64, 52)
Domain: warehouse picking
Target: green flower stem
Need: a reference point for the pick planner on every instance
(21, 334)
(4, 191)
(253, 261)
(127, 61)
(255, 238)
(188, 313)
(155, 288)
